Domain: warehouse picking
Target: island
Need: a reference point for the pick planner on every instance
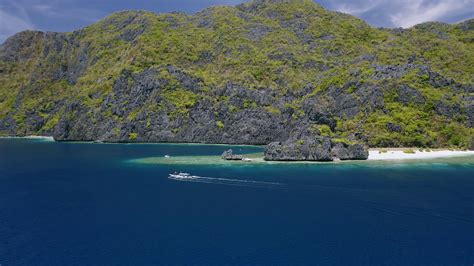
(309, 83)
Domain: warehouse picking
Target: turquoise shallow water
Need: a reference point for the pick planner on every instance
(89, 204)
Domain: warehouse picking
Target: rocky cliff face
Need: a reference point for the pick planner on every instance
(262, 72)
(315, 149)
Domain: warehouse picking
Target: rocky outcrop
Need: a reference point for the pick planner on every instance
(230, 156)
(317, 149)
(344, 151)
(407, 95)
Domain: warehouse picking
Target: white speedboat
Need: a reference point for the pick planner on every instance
(181, 176)
(167, 156)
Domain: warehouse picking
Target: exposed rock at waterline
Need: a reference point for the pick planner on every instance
(317, 149)
(230, 156)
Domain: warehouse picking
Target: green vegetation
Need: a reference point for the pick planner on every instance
(181, 99)
(220, 124)
(273, 110)
(323, 130)
(343, 140)
(132, 136)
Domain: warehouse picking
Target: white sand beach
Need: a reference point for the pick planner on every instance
(407, 154)
(29, 137)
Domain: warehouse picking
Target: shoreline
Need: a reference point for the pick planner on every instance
(129, 143)
(375, 154)
(257, 160)
(28, 137)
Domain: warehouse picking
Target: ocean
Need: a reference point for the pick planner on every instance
(110, 204)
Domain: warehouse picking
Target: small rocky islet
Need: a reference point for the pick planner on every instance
(316, 149)
(309, 83)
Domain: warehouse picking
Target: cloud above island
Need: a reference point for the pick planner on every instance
(67, 15)
(405, 13)
(413, 12)
(11, 24)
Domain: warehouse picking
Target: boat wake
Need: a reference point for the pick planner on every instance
(185, 177)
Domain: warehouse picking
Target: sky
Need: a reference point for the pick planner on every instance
(68, 15)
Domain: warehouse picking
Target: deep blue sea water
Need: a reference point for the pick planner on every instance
(87, 204)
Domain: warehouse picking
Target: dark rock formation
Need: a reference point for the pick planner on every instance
(345, 151)
(316, 149)
(230, 156)
(394, 127)
(407, 95)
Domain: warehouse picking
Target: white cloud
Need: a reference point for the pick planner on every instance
(404, 13)
(10, 24)
(413, 12)
(42, 8)
(84, 14)
(357, 8)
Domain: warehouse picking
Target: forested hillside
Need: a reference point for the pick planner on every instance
(256, 73)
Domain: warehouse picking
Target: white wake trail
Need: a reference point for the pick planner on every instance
(229, 182)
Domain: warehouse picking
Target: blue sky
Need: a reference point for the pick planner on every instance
(67, 15)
